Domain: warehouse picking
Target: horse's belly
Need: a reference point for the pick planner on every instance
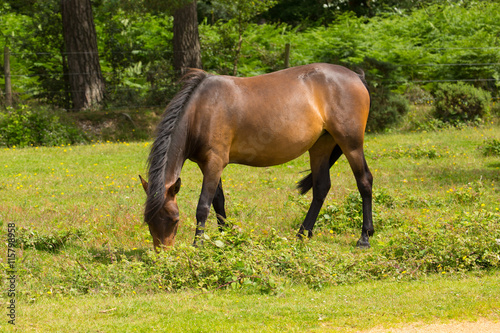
(265, 148)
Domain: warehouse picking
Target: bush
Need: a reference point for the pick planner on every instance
(23, 127)
(386, 110)
(460, 103)
(491, 147)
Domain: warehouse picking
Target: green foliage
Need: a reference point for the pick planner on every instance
(137, 58)
(469, 194)
(135, 46)
(387, 111)
(491, 147)
(342, 218)
(468, 241)
(348, 216)
(33, 33)
(300, 12)
(26, 238)
(242, 10)
(460, 103)
(262, 52)
(25, 126)
(495, 108)
(263, 263)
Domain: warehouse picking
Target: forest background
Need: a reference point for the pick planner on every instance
(407, 48)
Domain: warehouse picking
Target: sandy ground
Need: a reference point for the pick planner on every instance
(480, 326)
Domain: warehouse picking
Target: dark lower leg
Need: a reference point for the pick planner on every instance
(310, 219)
(365, 183)
(321, 186)
(218, 204)
(212, 171)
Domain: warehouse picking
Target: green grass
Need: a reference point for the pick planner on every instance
(81, 239)
(295, 309)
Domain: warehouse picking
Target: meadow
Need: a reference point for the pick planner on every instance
(83, 251)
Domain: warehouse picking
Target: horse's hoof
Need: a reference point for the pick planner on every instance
(363, 244)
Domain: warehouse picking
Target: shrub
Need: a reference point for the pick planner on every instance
(460, 103)
(386, 110)
(491, 147)
(24, 127)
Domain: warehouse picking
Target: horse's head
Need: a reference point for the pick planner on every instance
(164, 223)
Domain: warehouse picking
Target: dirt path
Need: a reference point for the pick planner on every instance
(480, 326)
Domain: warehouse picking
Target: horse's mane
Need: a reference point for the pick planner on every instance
(158, 156)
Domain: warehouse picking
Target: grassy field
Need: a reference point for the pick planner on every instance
(295, 309)
(82, 246)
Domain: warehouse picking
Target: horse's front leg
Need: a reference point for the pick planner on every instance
(212, 171)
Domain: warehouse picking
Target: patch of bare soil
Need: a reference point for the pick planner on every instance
(480, 326)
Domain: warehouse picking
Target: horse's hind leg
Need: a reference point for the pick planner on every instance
(218, 204)
(346, 123)
(364, 180)
(320, 171)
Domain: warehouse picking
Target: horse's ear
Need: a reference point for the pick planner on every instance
(145, 184)
(177, 186)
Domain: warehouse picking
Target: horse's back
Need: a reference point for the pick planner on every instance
(273, 118)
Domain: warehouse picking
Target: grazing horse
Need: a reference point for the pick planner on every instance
(258, 121)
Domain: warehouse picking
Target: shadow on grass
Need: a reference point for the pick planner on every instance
(110, 256)
(445, 176)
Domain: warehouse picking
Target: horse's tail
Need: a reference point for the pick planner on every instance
(306, 183)
(158, 156)
(363, 79)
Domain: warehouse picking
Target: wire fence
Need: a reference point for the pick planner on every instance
(148, 85)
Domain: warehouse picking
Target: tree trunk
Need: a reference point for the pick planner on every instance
(85, 76)
(186, 39)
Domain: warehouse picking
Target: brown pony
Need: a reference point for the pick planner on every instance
(259, 121)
